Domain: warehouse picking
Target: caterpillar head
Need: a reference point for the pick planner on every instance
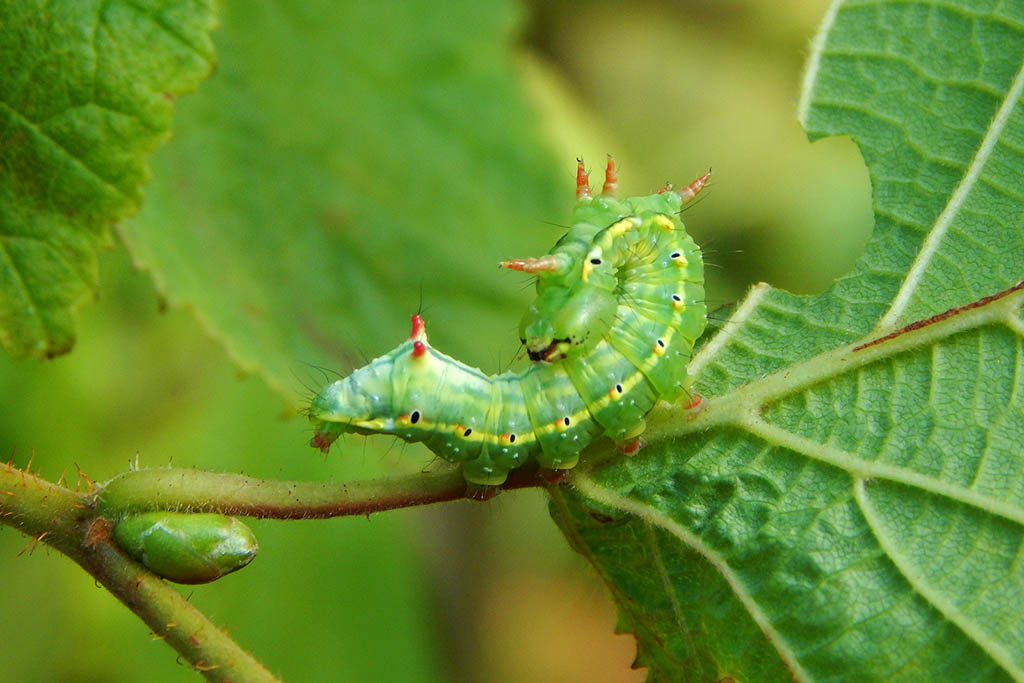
(568, 313)
(336, 410)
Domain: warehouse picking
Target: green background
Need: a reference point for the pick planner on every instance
(465, 591)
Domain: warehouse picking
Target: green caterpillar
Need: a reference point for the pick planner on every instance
(620, 303)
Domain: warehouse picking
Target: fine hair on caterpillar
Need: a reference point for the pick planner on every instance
(619, 306)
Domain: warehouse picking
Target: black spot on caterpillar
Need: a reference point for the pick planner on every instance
(620, 304)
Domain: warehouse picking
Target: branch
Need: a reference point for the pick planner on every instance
(78, 524)
(237, 494)
(67, 521)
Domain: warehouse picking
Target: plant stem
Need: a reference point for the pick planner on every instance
(66, 520)
(171, 617)
(236, 494)
(77, 524)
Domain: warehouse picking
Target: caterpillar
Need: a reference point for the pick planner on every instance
(619, 306)
(187, 547)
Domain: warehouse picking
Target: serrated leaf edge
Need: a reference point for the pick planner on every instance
(245, 364)
(630, 617)
(591, 489)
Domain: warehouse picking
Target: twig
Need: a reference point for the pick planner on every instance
(236, 494)
(66, 521)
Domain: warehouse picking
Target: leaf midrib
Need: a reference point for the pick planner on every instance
(933, 241)
(742, 408)
(939, 229)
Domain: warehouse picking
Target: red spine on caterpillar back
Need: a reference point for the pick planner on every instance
(620, 303)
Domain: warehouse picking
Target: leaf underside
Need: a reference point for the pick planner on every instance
(86, 94)
(841, 510)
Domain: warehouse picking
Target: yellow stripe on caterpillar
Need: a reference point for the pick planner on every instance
(663, 222)
(611, 297)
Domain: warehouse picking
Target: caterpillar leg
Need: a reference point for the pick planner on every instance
(694, 406)
(481, 492)
(483, 479)
(553, 476)
(632, 440)
(484, 492)
(483, 472)
(632, 446)
(326, 434)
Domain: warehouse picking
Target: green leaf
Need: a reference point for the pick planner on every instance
(86, 94)
(340, 148)
(849, 502)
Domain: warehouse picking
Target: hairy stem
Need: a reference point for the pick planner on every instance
(236, 494)
(67, 521)
(78, 524)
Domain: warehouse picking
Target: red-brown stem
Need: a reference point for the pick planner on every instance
(942, 316)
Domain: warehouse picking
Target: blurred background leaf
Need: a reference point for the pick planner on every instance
(339, 169)
(328, 162)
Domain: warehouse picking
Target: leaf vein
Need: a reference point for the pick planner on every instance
(588, 487)
(899, 128)
(936, 79)
(935, 597)
(729, 330)
(39, 132)
(22, 285)
(1015, 323)
(163, 26)
(666, 584)
(959, 10)
(952, 209)
(868, 469)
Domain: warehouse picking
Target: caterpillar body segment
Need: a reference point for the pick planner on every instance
(620, 304)
(491, 424)
(618, 255)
